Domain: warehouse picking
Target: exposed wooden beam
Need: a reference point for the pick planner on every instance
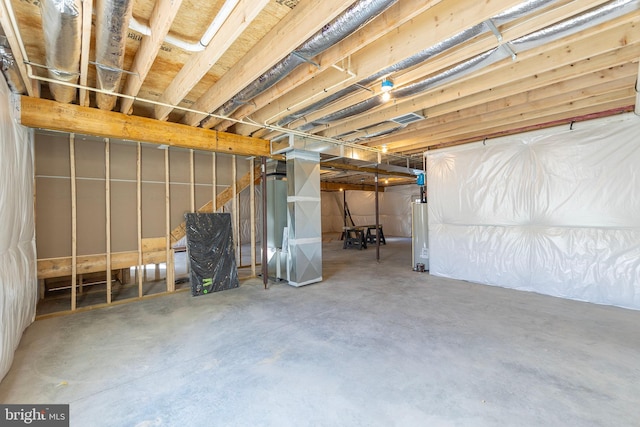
(40, 113)
(483, 112)
(337, 186)
(560, 105)
(563, 114)
(87, 11)
(443, 62)
(349, 167)
(200, 63)
(32, 86)
(389, 20)
(477, 46)
(60, 267)
(307, 18)
(558, 58)
(160, 22)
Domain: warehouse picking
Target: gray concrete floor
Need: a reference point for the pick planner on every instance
(373, 344)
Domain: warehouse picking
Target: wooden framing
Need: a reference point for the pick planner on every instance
(140, 264)
(160, 22)
(63, 266)
(337, 186)
(32, 86)
(74, 221)
(222, 198)
(107, 192)
(42, 113)
(87, 10)
(192, 182)
(234, 209)
(285, 37)
(252, 210)
(169, 271)
(199, 64)
(390, 19)
(214, 181)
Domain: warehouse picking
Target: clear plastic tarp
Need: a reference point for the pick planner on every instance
(394, 209)
(18, 282)
(553, 211)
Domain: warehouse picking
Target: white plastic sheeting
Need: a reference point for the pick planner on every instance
(18, 280)
(555, 212)
(394, 205)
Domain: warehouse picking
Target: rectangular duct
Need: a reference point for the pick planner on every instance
(304, 220)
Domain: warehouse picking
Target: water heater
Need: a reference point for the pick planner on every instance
(420, 236)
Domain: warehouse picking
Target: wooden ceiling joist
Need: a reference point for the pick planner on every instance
(559, 60)
(41, 113)
(160, 22)
(277, 44)
(439, 22)
(87, 10)
(337, 186)
(389, 20)
(591, 84)
(365, 169)
(200, 63)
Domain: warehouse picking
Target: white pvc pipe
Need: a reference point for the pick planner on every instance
(200, 45)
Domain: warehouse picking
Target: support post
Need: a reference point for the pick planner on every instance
(377, 221)
(107, 191)
(169, 277)
(252, 210)
(139, 211)
(214, 195)
(263, 183)
(74, 249)
(234, 208)
(192, 184)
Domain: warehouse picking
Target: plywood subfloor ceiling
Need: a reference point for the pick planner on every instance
(457, 85)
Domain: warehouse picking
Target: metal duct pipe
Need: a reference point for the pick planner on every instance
(466, 67)
(112, 21)
(564, 28)
(10, 68)
(62, 27)
(463, 36)
(353, 18)
(595, 16)
(399, 66)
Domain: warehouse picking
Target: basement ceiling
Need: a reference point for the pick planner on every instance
(461, 70)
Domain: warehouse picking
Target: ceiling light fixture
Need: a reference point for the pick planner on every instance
(384, 148)
(387, 85)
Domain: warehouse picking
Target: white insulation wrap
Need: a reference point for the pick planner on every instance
(553, 211)
(18, 282)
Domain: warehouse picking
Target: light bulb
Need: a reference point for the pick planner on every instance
(386, 96)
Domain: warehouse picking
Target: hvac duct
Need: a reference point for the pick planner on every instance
(592, 17)
(399, 66)
(420, 57)
(353, 18)
(112, 21)
(62, 27)
(10, 68)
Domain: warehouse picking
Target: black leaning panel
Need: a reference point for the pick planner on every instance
(212, 259)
